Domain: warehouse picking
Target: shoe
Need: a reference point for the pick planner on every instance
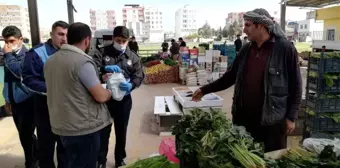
(101, 165)
(120, 164)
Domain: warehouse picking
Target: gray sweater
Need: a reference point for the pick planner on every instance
(72, 109)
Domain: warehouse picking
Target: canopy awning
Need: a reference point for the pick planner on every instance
(311, 3)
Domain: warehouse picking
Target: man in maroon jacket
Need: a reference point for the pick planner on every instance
(267, 82)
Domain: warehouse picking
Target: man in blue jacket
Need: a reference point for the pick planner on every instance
(17, 95)
(33, 78)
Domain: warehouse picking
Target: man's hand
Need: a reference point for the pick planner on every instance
(7, 48)
(197, 96)
(112, 69)
(8, 108)
(106, 76)
(290, 126)
(125, 86)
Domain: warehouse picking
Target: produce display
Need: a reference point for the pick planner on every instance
(329, 77)
(170, 62)
(322, 94)
(161, 73)
(334, 116)
(152, 63)
(208, 139)
(151, 58)
(298, 159)
(325, 55)
(153, 162)
(156, 69)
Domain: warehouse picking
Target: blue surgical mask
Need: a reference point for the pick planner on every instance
(119, 47)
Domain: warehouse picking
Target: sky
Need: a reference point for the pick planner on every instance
(212, 11)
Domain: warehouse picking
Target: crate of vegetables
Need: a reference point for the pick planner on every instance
(161, 73)
(324, 103)
(327, 122)
(325, 62)
(324, 83)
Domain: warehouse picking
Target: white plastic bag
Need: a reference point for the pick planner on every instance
(317, 145)
(113, 84)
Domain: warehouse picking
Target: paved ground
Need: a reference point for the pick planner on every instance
(143, 139)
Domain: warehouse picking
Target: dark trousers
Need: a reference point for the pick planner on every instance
(120, 112)
(23, 116)
(46, 139)
(82, 151)
(272, 136)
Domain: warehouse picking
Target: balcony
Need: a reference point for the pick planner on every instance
(329, 38)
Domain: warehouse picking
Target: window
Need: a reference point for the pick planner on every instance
(305, 26)
(301, 26)
(330, 34)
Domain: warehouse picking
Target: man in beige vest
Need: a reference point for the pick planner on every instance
(76, 99)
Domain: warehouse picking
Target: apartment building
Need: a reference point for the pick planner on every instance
(133, 18)
(238, 17)
(235, 17)
(102, 19)
(185, 21)
(17, 16)
(309, 28)
(154, 27)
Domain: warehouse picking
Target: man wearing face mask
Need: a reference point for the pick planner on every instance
(33, 78)
(118, 58)
(76, 99)
(17, 95)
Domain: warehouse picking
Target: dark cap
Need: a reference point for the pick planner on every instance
(121, 31)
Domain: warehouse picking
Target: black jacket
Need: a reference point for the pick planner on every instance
(133, 46)
(238, 44)
(283, 90)
(129, 62)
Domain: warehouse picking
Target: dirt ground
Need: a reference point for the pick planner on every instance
(142, 140)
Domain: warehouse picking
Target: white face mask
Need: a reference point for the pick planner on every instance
(15, 48)
(119, 47)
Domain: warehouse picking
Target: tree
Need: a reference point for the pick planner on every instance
(225, 32)
(205, 31)
(231, 31)
(192, 36)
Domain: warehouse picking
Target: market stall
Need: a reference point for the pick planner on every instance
(207, 139)
(200, 66)
(160, 70)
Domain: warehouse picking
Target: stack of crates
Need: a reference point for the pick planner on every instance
(226, 50)
(322, 117)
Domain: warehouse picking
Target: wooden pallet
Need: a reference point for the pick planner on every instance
(167, 113)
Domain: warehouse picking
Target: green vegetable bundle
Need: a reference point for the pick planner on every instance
(212, 141)
(295, 159)
(153, 162)
(325, 55)
(169, 62)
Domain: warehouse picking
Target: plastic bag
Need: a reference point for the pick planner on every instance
(317, 145)
(113, 84)
(168, 149)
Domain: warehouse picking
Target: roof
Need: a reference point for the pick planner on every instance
(312, 3)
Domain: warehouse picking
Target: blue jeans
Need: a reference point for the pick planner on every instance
(82, 151)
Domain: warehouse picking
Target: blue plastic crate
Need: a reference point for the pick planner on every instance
(319, 124)
(324, 135)
(319, 85)
(325, 65)
(320, 105)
